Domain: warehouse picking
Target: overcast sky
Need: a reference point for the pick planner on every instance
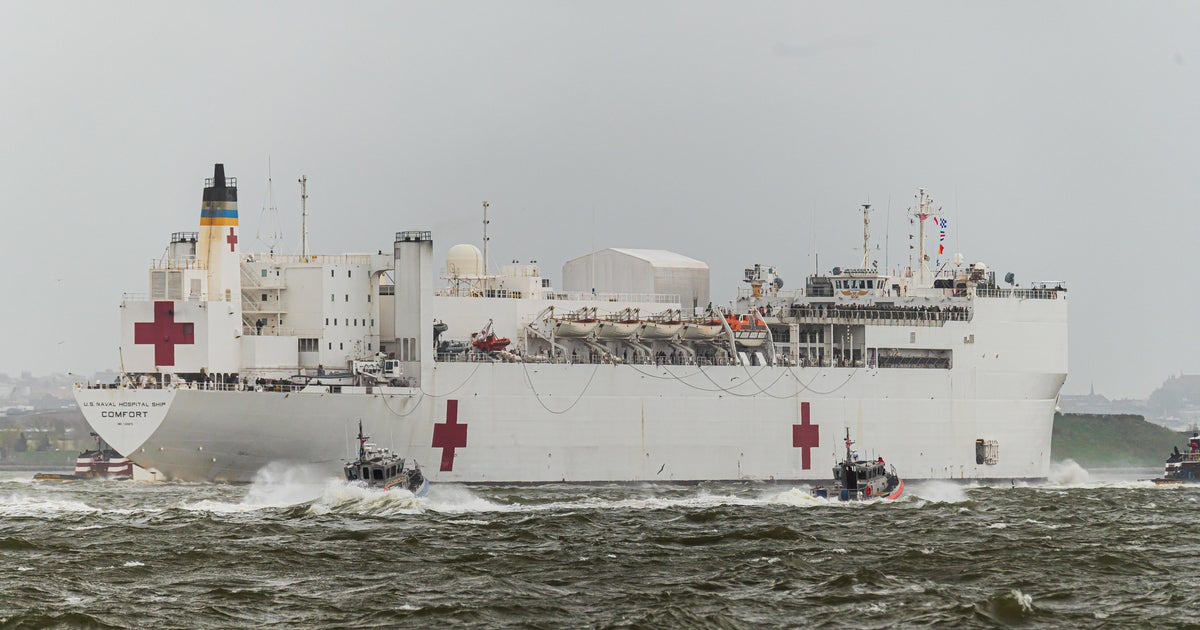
(1061, 139)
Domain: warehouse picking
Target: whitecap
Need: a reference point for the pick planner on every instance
(938, 491)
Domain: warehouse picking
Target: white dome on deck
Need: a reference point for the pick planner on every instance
(464, 260)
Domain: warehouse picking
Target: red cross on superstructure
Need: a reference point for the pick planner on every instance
(231, 239)
(449, 435)
(805, 436)
(164, 332)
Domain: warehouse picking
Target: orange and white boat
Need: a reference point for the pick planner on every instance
(748, 330)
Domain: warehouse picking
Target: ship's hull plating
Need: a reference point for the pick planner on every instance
(513, 422)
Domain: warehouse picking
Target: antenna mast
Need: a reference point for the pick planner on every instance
(924, 210)
(304, 215)
(270, 215)
(866, 210)
(485, 237)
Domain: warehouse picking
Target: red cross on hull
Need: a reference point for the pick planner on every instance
(164, 332)
(805, 436)
(232, 239)
(449, 435)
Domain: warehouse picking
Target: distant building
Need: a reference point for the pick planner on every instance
(1090, 403)
(639, 271)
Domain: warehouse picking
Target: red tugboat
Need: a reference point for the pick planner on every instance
(856, 480)
(1183, 467)
(101, 462)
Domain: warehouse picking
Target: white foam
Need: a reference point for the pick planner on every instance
(340, 496)
(1026, 601)
(1068, 473)
(938, 491)
(280, 484)
(134, 563)
(19, 505)
(276, 485)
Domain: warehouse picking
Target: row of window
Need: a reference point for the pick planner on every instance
(333, 298)
(335, 321)
(310, 345)
(859, 283)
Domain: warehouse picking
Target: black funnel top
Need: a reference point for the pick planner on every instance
(218, 188)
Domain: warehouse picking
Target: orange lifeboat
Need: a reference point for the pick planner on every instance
(748, 330)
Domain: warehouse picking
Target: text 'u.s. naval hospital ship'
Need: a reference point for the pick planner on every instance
(234, 361)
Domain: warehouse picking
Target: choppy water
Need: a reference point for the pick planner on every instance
(295, 552)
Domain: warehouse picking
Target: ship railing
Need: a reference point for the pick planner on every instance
(1022, 294)
(878, 316)
(251, 280)
(587, 296)
(272, 331)
(171, 295)
(258, 385)
(583, 359)
(744, 293)
(187, 262)
(341, 259)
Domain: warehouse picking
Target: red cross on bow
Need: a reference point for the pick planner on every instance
(805, 436)
(231, 239)
(449, 435)
(164, 332)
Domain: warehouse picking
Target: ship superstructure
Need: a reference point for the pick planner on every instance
(235, 360)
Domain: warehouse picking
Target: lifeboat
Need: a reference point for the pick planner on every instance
(575, 325)
(659, 328)
(701, 330)
(617, 329)
(748, 330)
(488, 341)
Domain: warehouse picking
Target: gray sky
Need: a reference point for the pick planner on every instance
(1059, 137)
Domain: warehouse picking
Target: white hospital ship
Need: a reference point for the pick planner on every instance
(236, 360)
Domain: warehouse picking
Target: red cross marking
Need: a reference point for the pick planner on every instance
(231, 239)
(164, 332)
(449, 435)
(805, 436)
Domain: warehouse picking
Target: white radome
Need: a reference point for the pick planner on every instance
(464, 260)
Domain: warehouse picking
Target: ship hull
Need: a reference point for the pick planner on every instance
(512, 422)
